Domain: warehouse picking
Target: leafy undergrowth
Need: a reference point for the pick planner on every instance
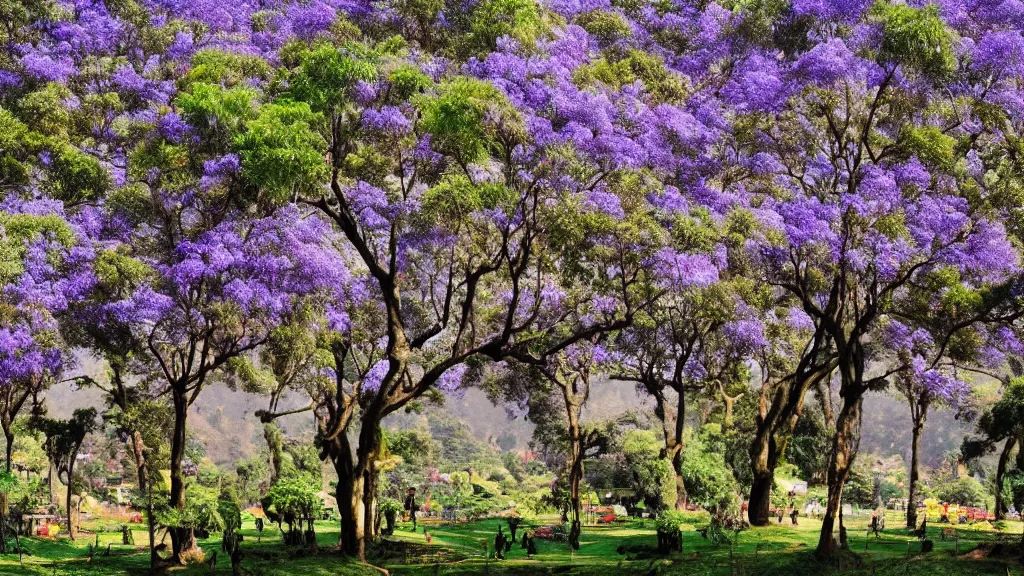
(465, 549)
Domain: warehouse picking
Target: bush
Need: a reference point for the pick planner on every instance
(669, 521)
(389, 509)
(709, 481)
(202, 511)
(293, 500)
(963, 491)
(386, 505)
(652, 475)
(231, 514)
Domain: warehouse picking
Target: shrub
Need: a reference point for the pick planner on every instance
(962, 491)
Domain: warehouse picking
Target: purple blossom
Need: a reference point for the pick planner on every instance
(46, 68)
(451, 381)
(827, 63)
(1001, 53)
(605, 203)
(309, 20)
(217, 170)
(847, 10)
(746, 334)
(387, 121)
(375, 376)
(684, 270)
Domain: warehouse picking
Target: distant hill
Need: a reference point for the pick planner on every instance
(223, 419)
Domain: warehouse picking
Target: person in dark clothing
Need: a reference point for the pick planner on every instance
(531, 546)
(500, 544)
(410, 506)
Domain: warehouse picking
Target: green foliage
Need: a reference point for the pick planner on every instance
(18, 229)
(492, 19)
(217, 112)
(915, 38)
(325, 74)
(457, 117)
(251, 472)
(1013, 488)
(405, 81)
(249, 376)
(43, 110)
(617, 71)
(302, 459)
(455, 198)
(231, 514)
(202, 511)
(294, 497)
(809, 447)
(606, 27)
(514, 464)
(653, 476)
(23, 495)
(213, 66)
(414, 447)
(386, 505)
(1006, 417)
(860, 487)
(281, 153)
(930, 144)
(963, 491)
(423, 12)
(74, 176)
(709, 481)
(119, 274)
(669, 521)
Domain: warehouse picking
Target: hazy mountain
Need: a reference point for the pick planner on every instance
(223, 419)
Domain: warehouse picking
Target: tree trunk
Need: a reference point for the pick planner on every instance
(142, 472)
(844, 450)
(182, 539)
(272, 435)
(915, 449)
(9, 436)
(4, 503)
(1004, 457)
(775, 423)
(672, 428)
(677, 472)
(365, 477)
(759, 505)
(178, 452)
(348, 493)
(766, 449)
(368, 504)
(71, 476)
(575, 477)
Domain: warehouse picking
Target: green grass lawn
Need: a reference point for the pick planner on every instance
(459, 550)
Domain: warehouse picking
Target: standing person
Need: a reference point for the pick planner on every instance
(410, 505)
(499, 544)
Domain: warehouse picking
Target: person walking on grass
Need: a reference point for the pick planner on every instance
(499, 544)
(410, 506)
(876, 527)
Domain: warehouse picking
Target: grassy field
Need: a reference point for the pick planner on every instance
(459, 550)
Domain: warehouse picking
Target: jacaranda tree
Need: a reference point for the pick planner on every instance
(376, 203)
(863, 205)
